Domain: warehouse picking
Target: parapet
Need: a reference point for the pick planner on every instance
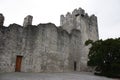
(77, 12)
(1, 19)
(27, 21)
(77, 20)
(72, 16)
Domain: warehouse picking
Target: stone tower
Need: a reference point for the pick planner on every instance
(88, 27)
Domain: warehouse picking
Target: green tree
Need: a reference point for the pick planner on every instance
(105, 56)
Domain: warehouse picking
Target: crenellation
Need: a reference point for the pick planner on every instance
(82, 11)
(68, 15)
(77, 12)
(93, 18)
(86, 16)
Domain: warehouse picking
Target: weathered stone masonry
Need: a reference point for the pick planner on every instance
(46, 47)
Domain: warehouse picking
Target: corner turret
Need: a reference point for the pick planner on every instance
(27, 21)
(1, 19)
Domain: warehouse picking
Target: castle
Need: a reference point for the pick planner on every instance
(47, 47)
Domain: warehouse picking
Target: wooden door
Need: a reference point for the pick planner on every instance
(18, 63)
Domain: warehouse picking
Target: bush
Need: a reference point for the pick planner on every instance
(105, 56)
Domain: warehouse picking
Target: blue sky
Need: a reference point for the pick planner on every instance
(44, 11)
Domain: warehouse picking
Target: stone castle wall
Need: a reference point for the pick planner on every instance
(46, 47)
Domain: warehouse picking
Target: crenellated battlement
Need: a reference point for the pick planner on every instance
(76, 19)
(77, 13)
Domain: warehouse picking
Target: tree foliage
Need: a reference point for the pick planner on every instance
(105, 56)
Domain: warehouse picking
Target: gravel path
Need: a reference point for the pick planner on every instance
(51, 76)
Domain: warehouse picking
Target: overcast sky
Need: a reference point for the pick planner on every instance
(44, 11)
